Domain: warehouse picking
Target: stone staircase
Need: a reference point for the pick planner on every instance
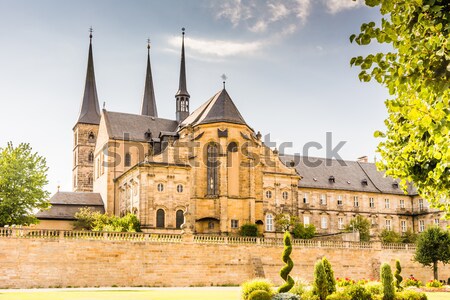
(258, 268)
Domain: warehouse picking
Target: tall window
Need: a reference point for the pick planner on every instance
(305, 198)
(268, 194)
(386, 203)
(436, 222)
(285, 195)
(421, 225)
(212, 169)
(340, 223)
(420, 204)
(234, 224)
(91, 157)
(324, 223)
(388, 224)
(179, 218)
(402, 203)
(323, 199)
(339, 200)
(269, 222)
(127, 160)
(371, 202)
(180, 188)
(306, 220)
(355, 201)
(160, 218)
(403, 225)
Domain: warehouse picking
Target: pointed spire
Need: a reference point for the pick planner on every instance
(149, 102)
(90, 110)
(182, 89)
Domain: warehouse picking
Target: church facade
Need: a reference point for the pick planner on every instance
(211, 166)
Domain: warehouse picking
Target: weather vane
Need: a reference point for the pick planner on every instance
(148, 43)
(224, 78)
(90, 32)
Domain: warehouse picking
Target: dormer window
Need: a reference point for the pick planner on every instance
(395, 185)
(331, 179)
(364, 182)
(148, 135)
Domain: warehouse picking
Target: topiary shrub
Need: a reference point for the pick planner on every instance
(331, 282)
(259, 295)
(375, 288)
(320, 287)
(286, 296)
(254, 285)
(398, 277)
(284, 272)
(387, 281)
(309, 295)
(358, 292)
(410, 295)
(248, 230)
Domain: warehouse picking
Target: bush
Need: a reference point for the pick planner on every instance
(342, 282)
(358, 292)
(362, 225)
(298, 288)
(320, 287)
(387, 281)
(309, 295)
(398, 277)
(409, 237)
(331, 282)
(375, 288)
(389, 236)
(259, 295)
(411, 281)
(249, 230)
(434, 283)
(301, 231)
(88, 219)
(410, 295)
(254, 285)
(339, 296)
(285, 296)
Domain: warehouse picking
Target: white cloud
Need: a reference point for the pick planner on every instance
(235, 11)
(260, 26)
(218, 48)
(335, 6)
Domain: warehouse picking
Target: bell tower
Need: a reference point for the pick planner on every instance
(85, 132)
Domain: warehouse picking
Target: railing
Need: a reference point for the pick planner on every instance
(26, 233)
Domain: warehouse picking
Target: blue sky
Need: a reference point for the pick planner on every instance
(287, 64)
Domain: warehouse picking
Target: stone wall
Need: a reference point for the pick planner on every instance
(64, 258)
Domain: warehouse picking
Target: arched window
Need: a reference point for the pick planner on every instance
(212, 169)
(180, 188)
(268, 194)
(285, 195)
(160, 187)
(269, 222)
(179, 218)
(160, 218)
(127, 160)
(91, 137)
(91, 157)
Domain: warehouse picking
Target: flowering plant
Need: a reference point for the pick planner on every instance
(411, 281)
(344, 281)
(434, 283)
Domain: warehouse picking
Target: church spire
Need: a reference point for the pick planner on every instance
(148, 102)
(90, 110)
(182, 96)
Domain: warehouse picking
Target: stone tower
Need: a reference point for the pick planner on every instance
(85, 132)
(182, 96)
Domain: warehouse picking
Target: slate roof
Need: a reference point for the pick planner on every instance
(219, 108)
(90, 110)
(120, 125)
(348, 175)
(64, 205)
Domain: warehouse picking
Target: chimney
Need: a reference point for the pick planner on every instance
(363, 159)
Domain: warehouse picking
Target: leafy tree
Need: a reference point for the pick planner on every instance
(387, 281)
(301, 231)
(320, 281)
(362, 225)
(331, 281)
(409, 237)
(390, 236)
(23, 176)
(88, 219)
(416, 143)
(285, 222)
(398, 277)
(433, 246)
(289, 264)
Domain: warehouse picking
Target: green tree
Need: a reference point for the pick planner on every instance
(248, 230)
(390, 236)
(362, 225)
(320, 287)
(416, 142)
(88, 219)
(398, 277)
(331, 281)
(433, 246)
(301, 231)
(285, 222)
(289, 264)
(23, 176)
(387, 281)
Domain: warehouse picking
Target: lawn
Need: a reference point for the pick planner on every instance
(157, 294)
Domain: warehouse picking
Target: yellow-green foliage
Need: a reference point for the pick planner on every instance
(289, 264)
(256, 284)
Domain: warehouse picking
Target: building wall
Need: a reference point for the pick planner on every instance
(33, 263)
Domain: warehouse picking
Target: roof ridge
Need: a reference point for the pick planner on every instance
(359, 164)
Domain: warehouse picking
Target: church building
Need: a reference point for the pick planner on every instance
(213, 165)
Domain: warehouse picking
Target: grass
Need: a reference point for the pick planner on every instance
(163, 294)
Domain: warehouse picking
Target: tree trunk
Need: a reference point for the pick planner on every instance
(435, 270)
